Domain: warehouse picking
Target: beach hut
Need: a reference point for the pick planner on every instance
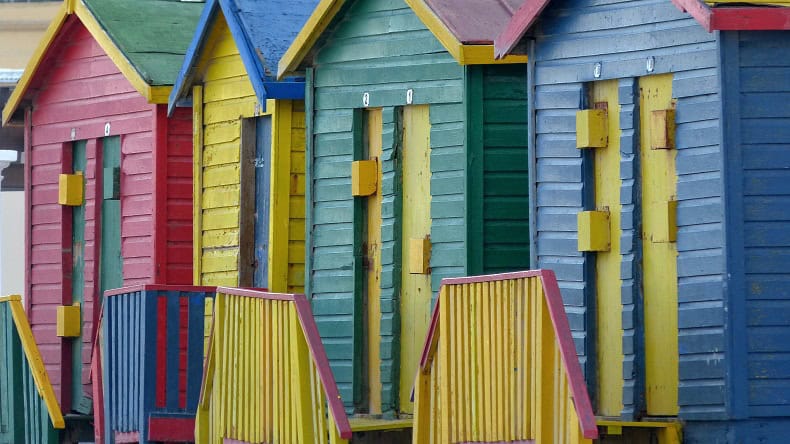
(661, 145)
(417, 170)
(107, 174)
(249, 145)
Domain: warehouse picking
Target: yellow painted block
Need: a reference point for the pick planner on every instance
(68, 321)
(662, 129)
(594, 231)
(419, 255)
(70, 189)
(364, 177)
(614, 430)
(592, 128)
(666, 228)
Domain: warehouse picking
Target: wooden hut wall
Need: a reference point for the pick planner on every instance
(84, 90)
(176, 199)
(227, 98)
(477, 134)
(356, 60)
(571, 36)
(755, 71)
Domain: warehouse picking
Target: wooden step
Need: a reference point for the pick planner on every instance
(363, 424)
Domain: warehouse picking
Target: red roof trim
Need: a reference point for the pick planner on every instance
(750, 18)
(518, 26)
(699, 10)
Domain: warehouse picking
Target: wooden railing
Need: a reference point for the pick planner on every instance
(499, 365)
(152, 354)
(267, 377)
(29, 411)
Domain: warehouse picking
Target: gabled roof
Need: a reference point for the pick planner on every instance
(144, 38)
(466, 28)
(719, 15)
(262, 31)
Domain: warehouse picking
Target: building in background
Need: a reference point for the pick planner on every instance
(21, 27)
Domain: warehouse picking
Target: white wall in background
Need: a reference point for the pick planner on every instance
(12, 243)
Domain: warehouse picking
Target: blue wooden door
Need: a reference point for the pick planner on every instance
(263, 143)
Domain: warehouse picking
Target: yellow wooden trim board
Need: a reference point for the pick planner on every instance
(326, 10)
(370, 424)
(154, 94)
(36, 363)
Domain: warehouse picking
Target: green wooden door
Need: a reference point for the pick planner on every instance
(78, 400)
(111, 265)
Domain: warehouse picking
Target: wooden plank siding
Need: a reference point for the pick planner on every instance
(228, 96)
(382, 48)
(571, 36)
(179, 198)
(505, 200)
(756, 68)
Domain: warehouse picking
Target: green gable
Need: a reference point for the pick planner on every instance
(153, 34)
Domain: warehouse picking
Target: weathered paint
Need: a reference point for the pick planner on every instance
(756, 189)
(374, 126)
(574, 31)
(415, 296)
(30, 410)
(227, 97)
(274, 386)
(152, 350)
(607, 184)
(355, 57)
(659, 255)
(79, 164)
(499, 365)
(81, 95)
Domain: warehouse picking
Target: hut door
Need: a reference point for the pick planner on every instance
(607, 263)
(79, 162)
(262, 162)
(415, 278)
(659, 251)
(372, 252)
(111, 266)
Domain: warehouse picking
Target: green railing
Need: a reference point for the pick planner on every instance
(29, 412)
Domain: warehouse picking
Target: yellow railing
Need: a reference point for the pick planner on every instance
(267, 377)
(499, 365)
(38, 372)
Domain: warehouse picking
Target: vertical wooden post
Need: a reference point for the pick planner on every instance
(197, 184)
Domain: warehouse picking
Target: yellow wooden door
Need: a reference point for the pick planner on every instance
(659, 260)
(607, 263)
(373, 270)
(415, 287)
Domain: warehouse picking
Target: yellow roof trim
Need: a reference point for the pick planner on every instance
(327, 9)
(321, 17)
(35, 61)
(484, 55)
(155, 94)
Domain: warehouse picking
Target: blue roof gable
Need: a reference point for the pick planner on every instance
(263, 30)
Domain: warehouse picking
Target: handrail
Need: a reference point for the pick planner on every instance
(34, 360)
(499, 302)
(300, 349)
